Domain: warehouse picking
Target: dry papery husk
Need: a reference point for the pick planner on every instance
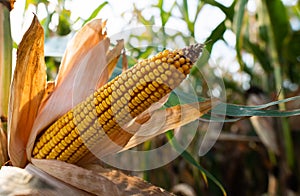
(67, 179)
(35, 104)
(87, 64)
(27, 91)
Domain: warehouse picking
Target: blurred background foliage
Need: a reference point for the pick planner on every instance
(261, 39)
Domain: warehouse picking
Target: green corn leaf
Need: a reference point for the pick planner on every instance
(189, 158)
(229, 12)
(215, 35)
(186, 18)
(95, 12)
(238, 23)
(279, 21)
(248, 111)
(291, 55)
(164, 15)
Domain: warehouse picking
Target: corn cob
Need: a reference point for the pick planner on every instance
(113, 105)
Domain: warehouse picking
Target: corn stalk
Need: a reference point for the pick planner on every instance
(278, 75)
(5, 58)
(5, 73)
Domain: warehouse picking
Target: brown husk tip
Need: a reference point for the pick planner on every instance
(27, 90)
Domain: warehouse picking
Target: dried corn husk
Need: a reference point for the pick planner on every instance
(78, 76)
(27, 91)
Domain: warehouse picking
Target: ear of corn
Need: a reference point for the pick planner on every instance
(110, 107)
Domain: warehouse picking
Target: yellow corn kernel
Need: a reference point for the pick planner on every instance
(110, 107)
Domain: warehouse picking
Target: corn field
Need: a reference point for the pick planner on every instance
(165, 97)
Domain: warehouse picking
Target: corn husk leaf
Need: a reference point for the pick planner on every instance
(33, 181)
(173, 117)
(147, 126)
(97, 180)
(84, 40)
(27, 91)
(78, 177)
(130, 185)
(78, 79)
